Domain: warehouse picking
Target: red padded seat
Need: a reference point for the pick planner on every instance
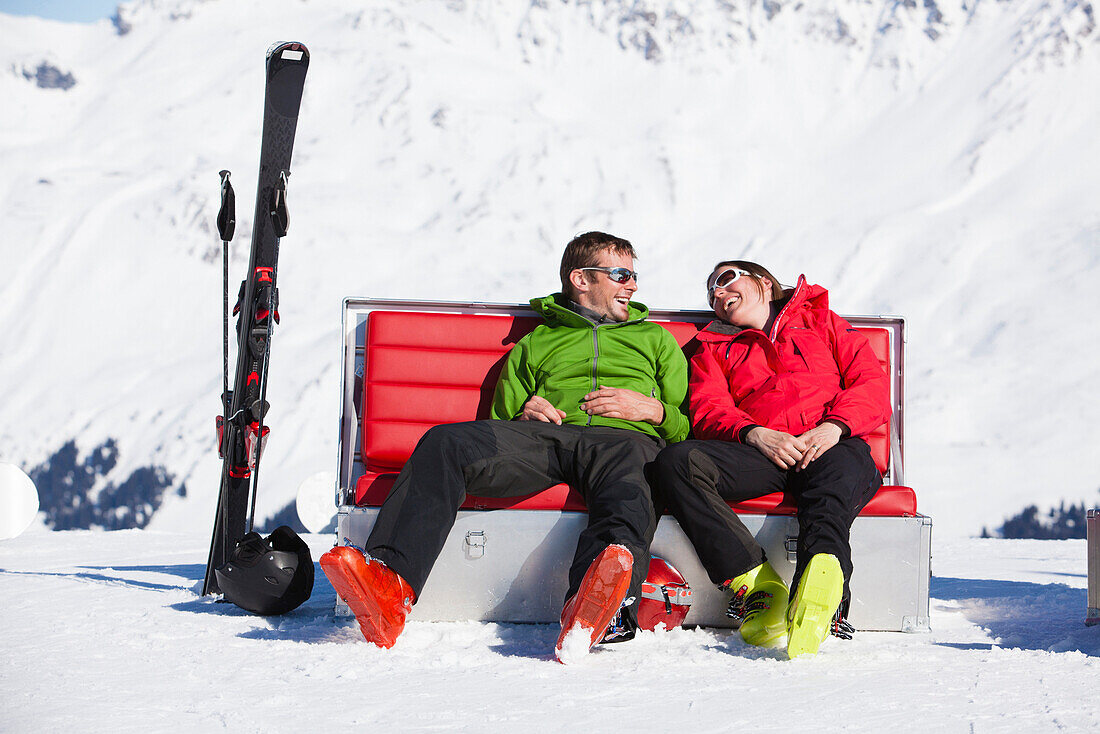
(422, 369)
(890, 501)
(372, 489)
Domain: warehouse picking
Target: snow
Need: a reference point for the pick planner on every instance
(937, 162)
(576, 644)
(106, 631)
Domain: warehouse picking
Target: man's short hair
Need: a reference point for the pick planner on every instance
(584, 252)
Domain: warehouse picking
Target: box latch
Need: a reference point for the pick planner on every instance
(474, 544)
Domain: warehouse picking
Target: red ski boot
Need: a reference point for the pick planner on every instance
(379, 598)
(588, 612)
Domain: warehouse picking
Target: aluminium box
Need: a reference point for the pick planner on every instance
(512, 566)
(1092, 525)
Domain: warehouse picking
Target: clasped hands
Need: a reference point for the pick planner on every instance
(788, 451)
(610, 402)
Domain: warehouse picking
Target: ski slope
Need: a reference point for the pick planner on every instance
(106, 632)
(936, 160)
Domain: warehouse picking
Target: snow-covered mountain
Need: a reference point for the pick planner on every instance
(934, 159)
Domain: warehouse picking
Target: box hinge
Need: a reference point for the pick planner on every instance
(791, 544)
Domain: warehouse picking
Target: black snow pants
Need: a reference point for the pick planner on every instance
(694, 479)
(495, 458)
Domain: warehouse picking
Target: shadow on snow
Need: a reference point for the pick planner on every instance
(188, 573)
(1020, 614)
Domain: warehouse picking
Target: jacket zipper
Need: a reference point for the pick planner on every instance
(596, 349)
(779, 316)
(775, 326)
(595, 362)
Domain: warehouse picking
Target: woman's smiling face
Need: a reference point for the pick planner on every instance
(740, 299)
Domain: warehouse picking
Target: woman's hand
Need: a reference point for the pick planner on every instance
(628, 405)
(818, 441)
(782, 448)
(539, 408)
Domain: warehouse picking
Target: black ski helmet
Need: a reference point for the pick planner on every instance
(268, 576)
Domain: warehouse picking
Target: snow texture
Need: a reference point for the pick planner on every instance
(937, 160)
(575, 645)
(106, 632)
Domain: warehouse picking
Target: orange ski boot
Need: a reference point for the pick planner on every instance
(376, 595)
(587, 614)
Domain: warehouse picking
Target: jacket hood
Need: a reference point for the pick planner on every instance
(554, 310)
(803, 295)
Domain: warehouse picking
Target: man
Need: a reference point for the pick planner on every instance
(587, 398)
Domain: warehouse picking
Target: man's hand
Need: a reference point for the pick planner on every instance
(818, 441)
(782, 448)
(619, 402)
(539, 408)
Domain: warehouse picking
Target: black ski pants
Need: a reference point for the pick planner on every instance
(694, 479)
(495, 458)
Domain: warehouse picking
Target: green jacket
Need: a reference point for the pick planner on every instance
(569, 356)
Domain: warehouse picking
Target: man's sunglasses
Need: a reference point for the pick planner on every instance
(619, 275)
(724, 279)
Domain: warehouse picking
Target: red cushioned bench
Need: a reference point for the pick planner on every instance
(409, 366)
(423, 369)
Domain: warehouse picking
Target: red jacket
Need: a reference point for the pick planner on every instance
(812, 367)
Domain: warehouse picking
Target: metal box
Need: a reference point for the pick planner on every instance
(512, 566)
(1092, 531)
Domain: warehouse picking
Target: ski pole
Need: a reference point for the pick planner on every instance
(227, 223)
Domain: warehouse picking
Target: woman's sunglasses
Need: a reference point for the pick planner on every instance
(724, 279)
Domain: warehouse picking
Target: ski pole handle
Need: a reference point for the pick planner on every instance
(227, 215)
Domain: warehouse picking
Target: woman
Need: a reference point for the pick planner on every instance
(782, 392)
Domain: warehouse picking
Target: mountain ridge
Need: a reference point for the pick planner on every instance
(447, 150)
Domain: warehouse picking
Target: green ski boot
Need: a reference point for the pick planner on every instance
(760, 602)
(815, 602)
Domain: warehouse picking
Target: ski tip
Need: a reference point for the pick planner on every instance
(292, 51)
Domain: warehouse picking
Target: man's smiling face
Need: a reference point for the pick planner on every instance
(605, 296)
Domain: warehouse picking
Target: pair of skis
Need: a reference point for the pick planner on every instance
(241, 430)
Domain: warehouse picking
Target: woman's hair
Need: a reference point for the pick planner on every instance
(757, 271)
